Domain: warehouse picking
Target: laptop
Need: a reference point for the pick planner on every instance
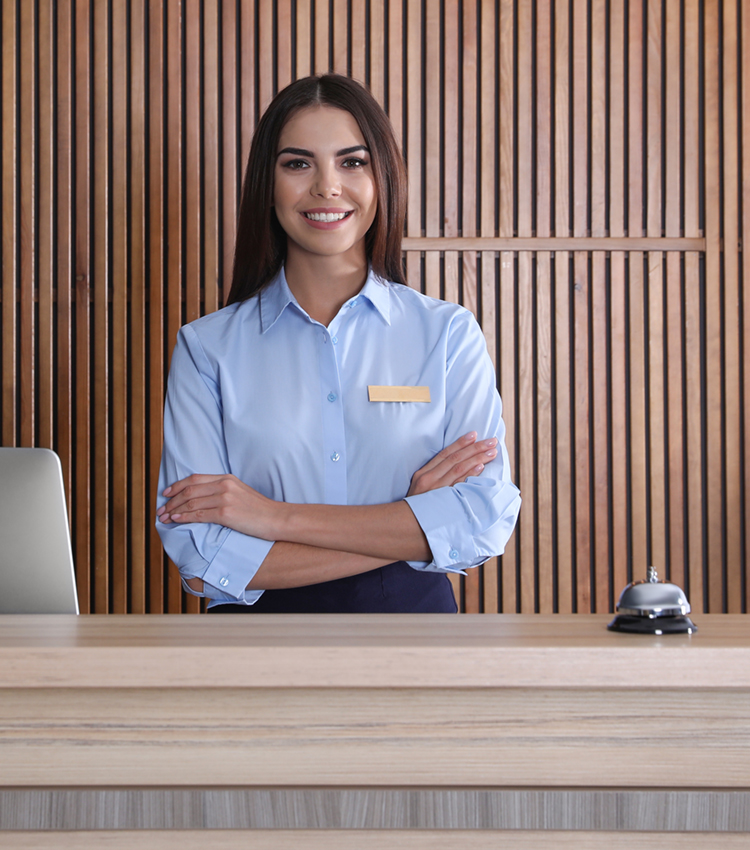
(36, 561)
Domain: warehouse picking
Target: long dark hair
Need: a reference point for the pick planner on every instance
(260, 246)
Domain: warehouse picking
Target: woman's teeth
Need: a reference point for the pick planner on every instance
(326, 216)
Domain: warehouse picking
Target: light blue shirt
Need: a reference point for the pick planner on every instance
(262, 391)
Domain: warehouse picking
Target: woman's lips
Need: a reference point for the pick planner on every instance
(326, 219)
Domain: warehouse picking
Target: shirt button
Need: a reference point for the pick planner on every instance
(334, 340)
(335, 456)
(223, 581)
(332, 396)
(453, 554)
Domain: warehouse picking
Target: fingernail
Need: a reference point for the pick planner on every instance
(167, 491)
(491, 453)
(478, 469)
(472, 435)
(176, 516)
(164, 518)
(160, 510)
(492, 442)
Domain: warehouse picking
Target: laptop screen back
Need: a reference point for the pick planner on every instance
(36, 561)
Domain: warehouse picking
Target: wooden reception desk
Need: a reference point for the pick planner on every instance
(372, 731)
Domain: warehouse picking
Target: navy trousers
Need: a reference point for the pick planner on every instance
(393, 589)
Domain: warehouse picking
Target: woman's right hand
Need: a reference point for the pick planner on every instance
(454, 463)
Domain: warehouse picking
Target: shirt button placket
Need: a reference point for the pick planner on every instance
(334, 438)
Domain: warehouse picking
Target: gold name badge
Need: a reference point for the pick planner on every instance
(399, 393)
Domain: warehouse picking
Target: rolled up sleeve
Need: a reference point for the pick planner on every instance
(226, 560)
(472, 521)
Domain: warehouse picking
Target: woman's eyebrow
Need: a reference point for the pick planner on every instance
(297, 151)
(345, 151)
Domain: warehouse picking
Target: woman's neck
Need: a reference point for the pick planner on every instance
(322, 285)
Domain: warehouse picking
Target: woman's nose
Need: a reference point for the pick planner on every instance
(327, 184)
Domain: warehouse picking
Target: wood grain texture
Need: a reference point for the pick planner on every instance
(366, 840)
(550, 144)
(673, 813)
(424, 701)
(380, 651)
(393, 737)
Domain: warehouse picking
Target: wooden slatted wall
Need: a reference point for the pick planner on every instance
(575, 179)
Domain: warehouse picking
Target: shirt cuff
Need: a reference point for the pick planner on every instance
(464, 524)
(233, 567)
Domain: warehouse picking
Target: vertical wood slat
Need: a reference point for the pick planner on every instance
(127, 253)
(563, 519)
(431, 152)
(713, 325)
(496, 215)
(357, 58)
(302, 47)
(322, 63)
(9, 225)
(64, 254)
(192, 178)
(636, 374)
(673, 202)
(731, 306)
(139, 496)
(283, 43)
(544, 354)
(118, 273)
(655, 286)
(525, 287)
(580, 306)
(83, 324)
(340, 26)
(174, 210)
(45, 190)
(599, 306)
(413, 143)
(26, 135)
(265, 54)
(377, 47)
(692, 348)
(100, 194)
(451, 182)
(618, 301)
(156, 266)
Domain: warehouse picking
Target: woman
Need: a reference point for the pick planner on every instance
(297, 415)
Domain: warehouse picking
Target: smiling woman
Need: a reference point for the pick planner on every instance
(324, 196)
(286, 483)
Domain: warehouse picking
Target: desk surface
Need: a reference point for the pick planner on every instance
(385, 651)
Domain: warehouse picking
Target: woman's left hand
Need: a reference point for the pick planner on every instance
(222, 499)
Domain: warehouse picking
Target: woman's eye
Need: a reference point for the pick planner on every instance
(295, 164)
(354, 162)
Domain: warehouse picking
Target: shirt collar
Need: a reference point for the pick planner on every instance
(378, 293)
(273, 300)
(277, 296)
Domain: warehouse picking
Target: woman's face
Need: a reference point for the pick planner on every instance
(324, 190)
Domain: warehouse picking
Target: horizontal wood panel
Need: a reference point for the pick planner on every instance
(672, 811)
(367, 840)
(376, 652)
(575, 181)
(336, 737)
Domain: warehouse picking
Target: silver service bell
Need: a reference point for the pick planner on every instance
(653, 606)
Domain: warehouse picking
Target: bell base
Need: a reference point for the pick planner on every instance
(652, 625)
